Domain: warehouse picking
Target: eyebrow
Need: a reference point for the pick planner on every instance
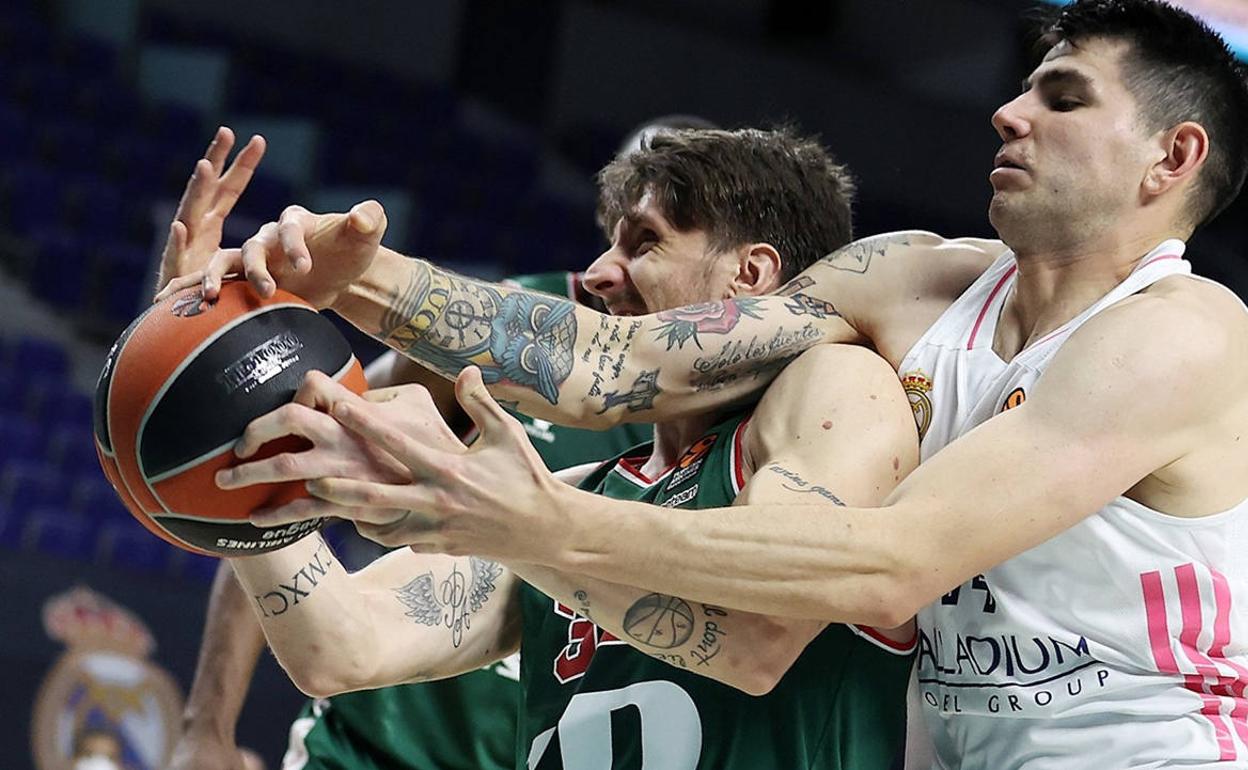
(1058, 77)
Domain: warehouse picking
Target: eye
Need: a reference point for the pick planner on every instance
(1065, 104)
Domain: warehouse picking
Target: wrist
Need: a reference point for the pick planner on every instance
(366, 299)
(204, 728)
(578, 523)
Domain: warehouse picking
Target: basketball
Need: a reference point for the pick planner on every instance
(177, 390)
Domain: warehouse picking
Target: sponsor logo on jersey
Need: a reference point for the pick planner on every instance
(681, 497)
(691, 462)
(103, 686)
(1016, 398)
(917, 385)
(539, 430)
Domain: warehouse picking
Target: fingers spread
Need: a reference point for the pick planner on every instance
(239, 175)
(223, 262)
(291, 234)
(320, 391)
(287, 420)
(219, 149)
(354, 493)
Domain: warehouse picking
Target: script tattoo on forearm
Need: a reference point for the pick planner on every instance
(454, 600)
(605, 357)
(795, 483)
(738, 360)
(446, 322)
(286, 596)
(856, 257)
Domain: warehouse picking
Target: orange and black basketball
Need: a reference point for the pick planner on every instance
(177, 390)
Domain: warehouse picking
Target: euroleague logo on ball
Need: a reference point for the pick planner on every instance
(189, 306)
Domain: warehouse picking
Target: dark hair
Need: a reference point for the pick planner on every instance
(1178, 69)
(742, 186)
(641, 134)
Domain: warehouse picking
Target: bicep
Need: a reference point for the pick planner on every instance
(834, 428)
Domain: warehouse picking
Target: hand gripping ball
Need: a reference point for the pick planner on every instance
(177, 390)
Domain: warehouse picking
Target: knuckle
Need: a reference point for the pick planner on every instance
(286, 464)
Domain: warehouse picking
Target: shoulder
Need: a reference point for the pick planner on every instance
(1179, 343)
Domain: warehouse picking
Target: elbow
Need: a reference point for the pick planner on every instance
(323, 676)
(769, 661)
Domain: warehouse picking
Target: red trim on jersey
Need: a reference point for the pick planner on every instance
(874, 636)
(632, 472)
(983, 311)
(738, 458)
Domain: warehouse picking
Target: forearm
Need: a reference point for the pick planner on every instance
(565, 362)
(315, 623)
(404, 618)
(834, 564)
(231, 645)
(748, 651)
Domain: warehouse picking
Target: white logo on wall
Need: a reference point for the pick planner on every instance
(103, 695)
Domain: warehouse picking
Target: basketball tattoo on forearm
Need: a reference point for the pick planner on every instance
(667, 623)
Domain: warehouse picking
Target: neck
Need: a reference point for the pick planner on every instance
(673, 438)
(1056, 284)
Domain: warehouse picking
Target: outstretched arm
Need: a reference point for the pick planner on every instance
(567, 363)
(403, 618)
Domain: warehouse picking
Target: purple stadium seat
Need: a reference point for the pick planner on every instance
(36, 357)
(36, 197)
(59, 532)
(195, 567)
(12, 522)
(71, 449)
(61, 404)
(21, 438)
(127, 545)
(60, 279)
(28, 484)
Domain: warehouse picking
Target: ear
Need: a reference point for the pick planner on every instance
(758, 270)
(1184, 149)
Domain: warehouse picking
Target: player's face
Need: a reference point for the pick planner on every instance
(1073, 151)
(652, 266)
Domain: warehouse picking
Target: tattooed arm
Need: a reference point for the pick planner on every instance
(812, 440)
(567, 363)
(403, 618)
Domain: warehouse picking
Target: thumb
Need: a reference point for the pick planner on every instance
(477, 402)
(368, 219)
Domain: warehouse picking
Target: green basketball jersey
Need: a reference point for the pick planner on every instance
(591, 701)
(468, 722)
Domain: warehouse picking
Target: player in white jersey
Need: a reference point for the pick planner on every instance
(1071, 557)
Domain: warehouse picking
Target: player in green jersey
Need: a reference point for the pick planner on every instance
(467, 722)
(614, 675)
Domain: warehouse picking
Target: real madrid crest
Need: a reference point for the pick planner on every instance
(104, 704)
(917, 385)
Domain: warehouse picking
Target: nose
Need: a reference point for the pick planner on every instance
(606, 276)
(1010, 119)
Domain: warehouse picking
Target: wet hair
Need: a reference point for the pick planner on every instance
(742, 186)
(1177, 69)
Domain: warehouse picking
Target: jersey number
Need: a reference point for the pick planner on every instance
(671, 730)
(979, 584)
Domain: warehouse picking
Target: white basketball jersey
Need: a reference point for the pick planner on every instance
(1120, 642)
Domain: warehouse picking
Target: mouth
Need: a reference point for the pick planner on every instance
(1003, 160)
